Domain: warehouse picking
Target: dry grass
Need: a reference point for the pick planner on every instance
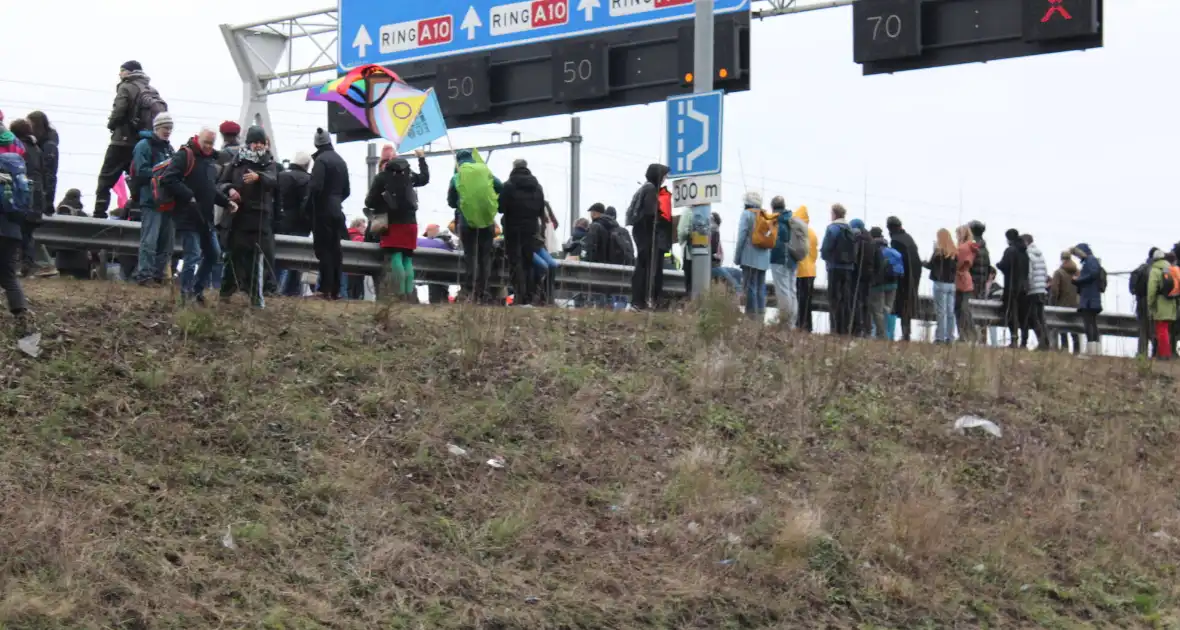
(652, 479)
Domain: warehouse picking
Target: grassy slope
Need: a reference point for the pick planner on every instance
(806, 484)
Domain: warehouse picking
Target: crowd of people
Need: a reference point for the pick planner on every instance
(225, 205)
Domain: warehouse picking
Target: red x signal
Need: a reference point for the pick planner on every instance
(1055, 7)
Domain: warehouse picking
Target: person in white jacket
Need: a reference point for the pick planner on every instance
(1038, 291)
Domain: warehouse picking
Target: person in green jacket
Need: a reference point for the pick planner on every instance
(474, 193)
(1162, 308)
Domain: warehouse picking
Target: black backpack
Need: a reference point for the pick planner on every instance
(1102, 280)
(622, 251)
(399, 190)
(1138, 284)
(148, 105)
(845, 247)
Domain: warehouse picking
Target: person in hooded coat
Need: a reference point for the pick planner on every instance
(650, 217)
(1063, 293)
(868, 262)
(1088, 282)
(522, 202)
(1014, 265)
(392, 194)
(10, 246)
(193, 185)
(472, 199)
(326, 194)
(47, 136)
(905, 305)
(252, 180)
(1161, 308)
(124, 124)
(805, 274)
(75, 263)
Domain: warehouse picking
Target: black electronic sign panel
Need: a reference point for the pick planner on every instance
(888, 29)
(614, 69)
(953, 32)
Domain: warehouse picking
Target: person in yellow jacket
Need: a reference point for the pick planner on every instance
(805, 275)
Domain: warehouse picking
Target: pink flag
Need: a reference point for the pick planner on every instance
(120, 189)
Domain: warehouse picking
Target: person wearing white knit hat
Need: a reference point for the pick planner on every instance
(156, 230)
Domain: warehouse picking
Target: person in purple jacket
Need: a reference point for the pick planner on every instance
(432, 238)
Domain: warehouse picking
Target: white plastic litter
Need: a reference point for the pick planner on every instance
(975, 422)
(496, 462)
(455, 450)
(30, 345)
(227, 540)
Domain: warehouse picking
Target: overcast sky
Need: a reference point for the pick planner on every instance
(1070, 147)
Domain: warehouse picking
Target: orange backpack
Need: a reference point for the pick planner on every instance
(1170, 283)
(765, 234)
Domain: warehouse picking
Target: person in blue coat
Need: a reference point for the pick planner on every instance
(1089, 282)
(753, 260)
(15, 202)
(156, 231)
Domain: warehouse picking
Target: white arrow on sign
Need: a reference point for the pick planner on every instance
(362, 40)
(703, 148)
(471, 22)
(588, 7)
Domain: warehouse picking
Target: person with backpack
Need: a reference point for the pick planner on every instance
(1063, 293)
(474, 193)
(15, 202)
(34, 260)
(252, 180)
(190, 181)
(1091, 284)
(327, 190)
(905, 305)
(136, 106)
(395, 217)
(868, 263)
(149, 159)
(1162, 285)
(522, 202)
(839, 255)
(791, 247)
(882, 292)
(942, 266)
(756, 238)
(1034, 298)
(1014, 265)
(805, 274)
(965, 283)
(650, 217)
(573, 247)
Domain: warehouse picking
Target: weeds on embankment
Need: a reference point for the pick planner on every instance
(294, 468)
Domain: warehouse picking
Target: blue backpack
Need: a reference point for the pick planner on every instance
(16, 199)
(895, 267)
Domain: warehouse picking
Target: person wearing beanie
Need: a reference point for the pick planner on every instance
(905, 305)
(753, 259)
(294, 219)
(136, 106)
(156, 230)
(866, 267)
(1063, 293)
(47, 137)
(251, 180)
(35, 259)
(10, 244)
(1014, 265)
(326, 194)
(783, 266)
(1161, 307)
(522, 202)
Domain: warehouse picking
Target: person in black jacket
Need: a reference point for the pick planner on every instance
(75, 263)
(905, 305)
(47, 136)
(35, 172)
(652, 230)
(252, 180)
(1014, 265)
(942, 273)
(868, 264)
(191, 179)
(294, 183)
(326, 194)
(522, 202)
(127, 119)
(596, 241)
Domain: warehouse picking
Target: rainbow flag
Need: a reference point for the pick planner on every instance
(376, 97)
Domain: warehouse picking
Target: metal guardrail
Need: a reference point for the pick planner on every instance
(433, 266)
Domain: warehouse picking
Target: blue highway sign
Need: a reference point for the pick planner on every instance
(694, 134)
(391, 32)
